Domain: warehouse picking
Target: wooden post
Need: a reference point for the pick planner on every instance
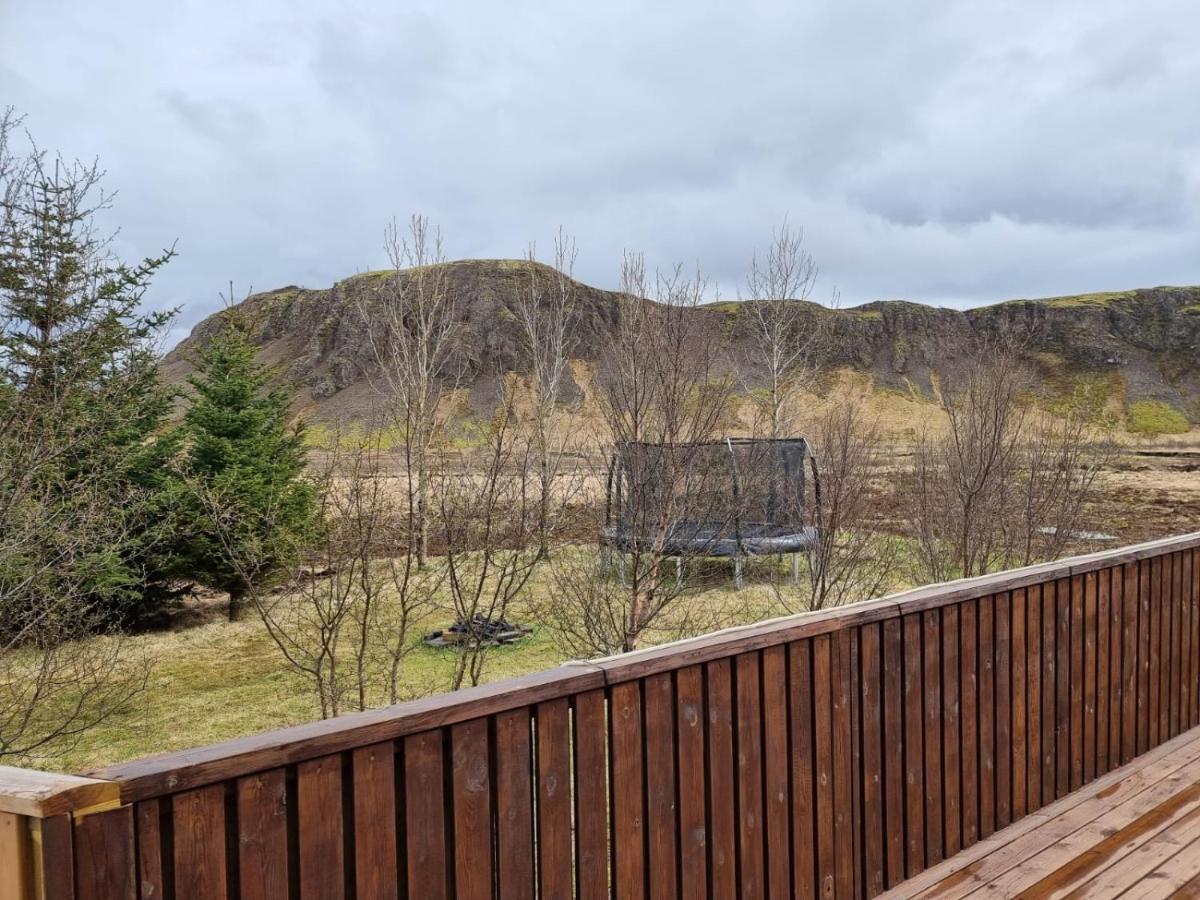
(28, 852)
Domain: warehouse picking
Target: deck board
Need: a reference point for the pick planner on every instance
(1134, 832)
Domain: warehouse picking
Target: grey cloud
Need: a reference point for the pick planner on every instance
(952, 152)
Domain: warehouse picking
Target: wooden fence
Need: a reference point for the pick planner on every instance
(822, 755)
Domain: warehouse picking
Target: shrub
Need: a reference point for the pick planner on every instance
(1153, 417)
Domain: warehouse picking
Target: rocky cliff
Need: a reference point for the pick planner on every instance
(1144, 343)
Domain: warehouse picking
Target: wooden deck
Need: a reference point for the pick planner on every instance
(1133, 833)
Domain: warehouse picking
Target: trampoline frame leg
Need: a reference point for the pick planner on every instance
(737, 572)
(795, 567)
(621, 568)
(678, 572)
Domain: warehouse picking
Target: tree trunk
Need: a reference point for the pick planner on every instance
(237, 605)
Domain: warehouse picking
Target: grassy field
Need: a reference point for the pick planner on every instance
(219, 680)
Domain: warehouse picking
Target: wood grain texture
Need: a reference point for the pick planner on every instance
(552, 727)
(201, 864)
(471, 792)
(106, 863)
(376, 863)
(628, 791)
(425, 821)
(320, 827)
(514, 795)
(661, 785)
(263, 807)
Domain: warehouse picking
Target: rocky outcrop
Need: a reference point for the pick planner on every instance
(318, 340)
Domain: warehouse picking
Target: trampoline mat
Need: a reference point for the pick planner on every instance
(715, 539)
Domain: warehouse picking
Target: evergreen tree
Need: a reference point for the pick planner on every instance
(82, 447)
(243, 466)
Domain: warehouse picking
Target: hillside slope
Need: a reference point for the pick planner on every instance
(1141, 344)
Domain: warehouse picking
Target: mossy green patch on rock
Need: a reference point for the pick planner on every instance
(1153, 417)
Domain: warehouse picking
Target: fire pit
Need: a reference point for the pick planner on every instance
(478, 629)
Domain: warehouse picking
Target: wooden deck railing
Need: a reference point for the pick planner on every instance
(822, 755)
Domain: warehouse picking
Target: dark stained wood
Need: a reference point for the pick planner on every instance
(871, 661)
(106, 864)
(1146, 623)
(58, 858)
(1033, 697)
(1002, 696)
(1177, 650)
(151, 873)
(843, 803)
(377, 874)
(1192, 583)
(1156, 657)
(591, 798)
(1131, 611)
(968, 630)
(1062, 701)
(822, 684)
(425, 825)
(932, 698)
(893, 741)
(1049, 691)
(1076, 689)
(200, 843)
(1018, 759)
(693, 828)
(914, 747)
(722, 858)
(173, 772)
(1103, 651)
(262, 823)
(752, 878)
(552, 726)
(320, 828)
(804, 798)
(776, 799)
(661, 806)
(951, 732)
(514, 797)
(471, 789)
(1111, 578)
(628, 809)
(987, 717)
(856, 787)
(1090, 639)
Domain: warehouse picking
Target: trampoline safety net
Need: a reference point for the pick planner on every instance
(736, 497)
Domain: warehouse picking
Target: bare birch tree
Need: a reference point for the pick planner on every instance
(545, 310)
(414, 331)
(786, 331)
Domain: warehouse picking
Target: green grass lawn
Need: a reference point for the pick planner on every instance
(221, 680)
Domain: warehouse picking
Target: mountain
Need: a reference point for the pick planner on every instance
(1138, 344)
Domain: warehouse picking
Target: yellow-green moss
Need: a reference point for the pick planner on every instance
(1153, 417)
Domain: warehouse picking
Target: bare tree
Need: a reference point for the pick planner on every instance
(489, 525)
(664, 397)
(1006, 483)
(851, 559)
(786, 330)
(414, 331)
(545, 310)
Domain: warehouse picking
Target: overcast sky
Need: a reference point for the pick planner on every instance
(951, 151)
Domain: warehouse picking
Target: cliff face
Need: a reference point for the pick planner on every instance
(318, 339)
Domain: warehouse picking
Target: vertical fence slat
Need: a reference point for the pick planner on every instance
(934, 782)
(1077, 685)
(471, 789)
(376, 871)
(591, 800)
(775, 775)
(914, 749)
(262, 821)
(968, 625)
(1063, 694)
(693, 863)
(1089, 677)
(1019, 727)
(425, 816)
(1146, 689)
(320, 828)
(1131, 707)
(629, 815)
(951, 738)
(987, 717)
(514, 801)
(823, 743)
(722, 861)
(843, 816)
(1049, 763)
(1116, 664)
(804, 797)
(870, 654)
(660, 785)
(1177, 647)
(552, 728)
(1103, 662)
(200, 843)
(105, 859)
(148, 822)
(749, 775)
(58, 859)
(1002, 670)
(1034, 763)
(1193, 580)
(893, 740)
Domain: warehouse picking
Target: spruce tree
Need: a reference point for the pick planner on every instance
(244, 466)
(82, 410)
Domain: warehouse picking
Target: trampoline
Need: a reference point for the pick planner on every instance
(736, 498)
